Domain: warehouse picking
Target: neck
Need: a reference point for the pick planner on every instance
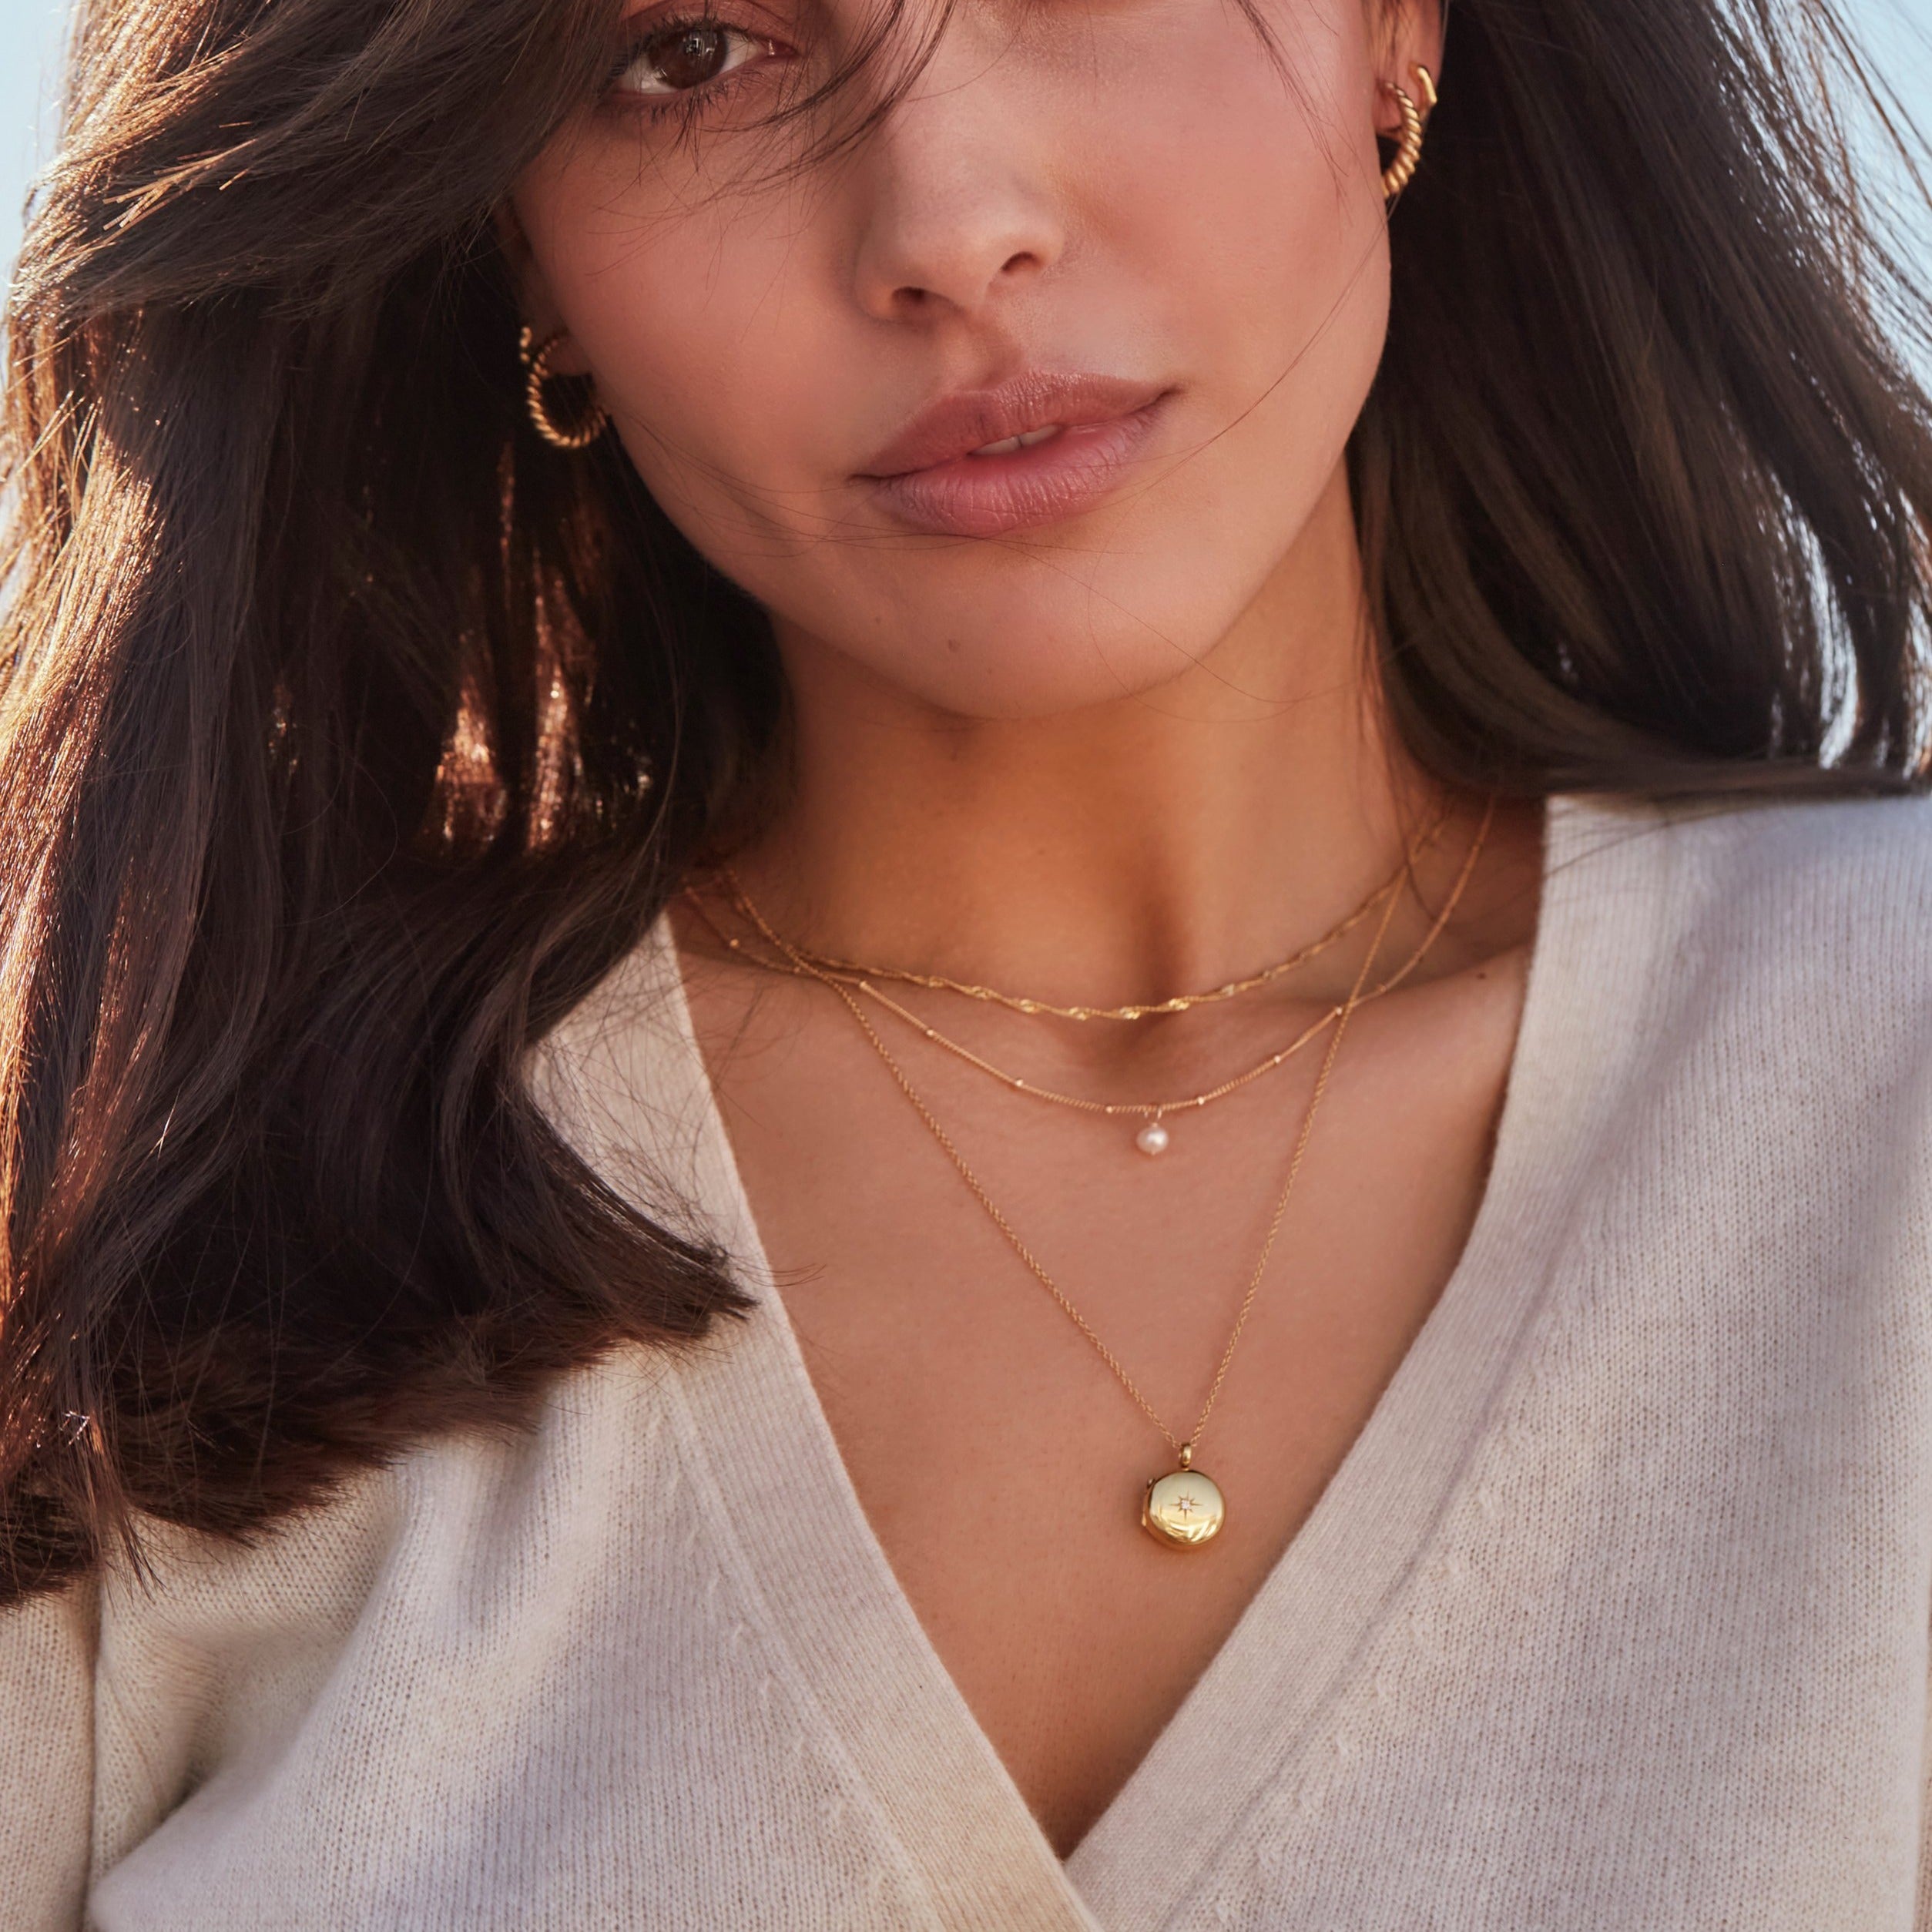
(1168, 839)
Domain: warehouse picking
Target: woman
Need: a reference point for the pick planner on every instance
(965, 968)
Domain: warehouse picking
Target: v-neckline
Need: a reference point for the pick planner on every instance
(785, 1498)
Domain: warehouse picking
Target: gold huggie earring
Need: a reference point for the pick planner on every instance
(1395, 176)
(590, 425)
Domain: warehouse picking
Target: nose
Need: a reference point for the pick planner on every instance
(958, 211)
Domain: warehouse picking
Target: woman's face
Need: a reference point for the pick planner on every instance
(1122, 231)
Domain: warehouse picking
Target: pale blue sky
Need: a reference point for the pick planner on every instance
(1899, 30)
(30, 32)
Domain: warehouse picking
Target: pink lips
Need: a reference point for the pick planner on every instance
(928, 477)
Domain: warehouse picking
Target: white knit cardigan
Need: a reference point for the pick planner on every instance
(1616, 1616)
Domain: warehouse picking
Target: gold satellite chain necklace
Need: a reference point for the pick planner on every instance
(1184, 1508)
(1154, 1136)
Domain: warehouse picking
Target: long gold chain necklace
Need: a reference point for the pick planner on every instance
(1154, 1136)
(853, 970)
(1184, 1508)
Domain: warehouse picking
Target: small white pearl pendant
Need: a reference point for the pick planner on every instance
(1152, 1138)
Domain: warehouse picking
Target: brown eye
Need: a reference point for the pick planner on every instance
(677, 58)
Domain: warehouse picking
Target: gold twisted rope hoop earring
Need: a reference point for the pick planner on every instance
(592, 419)
(1408, 151)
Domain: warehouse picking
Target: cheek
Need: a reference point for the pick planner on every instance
(710, 338)
(1230, 217)
(1249, 199)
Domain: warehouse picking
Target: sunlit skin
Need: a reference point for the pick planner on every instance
(1094, 726)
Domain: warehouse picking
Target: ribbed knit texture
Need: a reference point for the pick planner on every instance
(1616, 1616)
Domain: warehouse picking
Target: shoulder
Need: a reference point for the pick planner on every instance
(1757, 975)
(1729, 1036)
(1836, 842)
(1803, 890)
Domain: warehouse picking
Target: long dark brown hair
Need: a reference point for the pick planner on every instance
(350, 734)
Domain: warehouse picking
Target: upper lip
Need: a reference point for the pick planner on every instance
(968, 419)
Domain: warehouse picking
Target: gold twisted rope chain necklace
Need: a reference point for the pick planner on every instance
(1154, 1136)
(1184, 1508)
(853, 970)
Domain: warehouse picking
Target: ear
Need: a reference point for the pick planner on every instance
(534, 302)
(1409, 34)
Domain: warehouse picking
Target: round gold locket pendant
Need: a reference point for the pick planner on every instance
(1183, 1509)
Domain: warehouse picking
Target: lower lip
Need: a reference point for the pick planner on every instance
(1025, 489)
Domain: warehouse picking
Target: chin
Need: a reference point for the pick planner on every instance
(1026, 642)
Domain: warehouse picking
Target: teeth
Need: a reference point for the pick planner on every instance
(1011, 443)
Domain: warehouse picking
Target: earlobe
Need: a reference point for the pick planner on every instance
(535, 303)
(1418, 86)
(511, 238)
(1410, 45)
